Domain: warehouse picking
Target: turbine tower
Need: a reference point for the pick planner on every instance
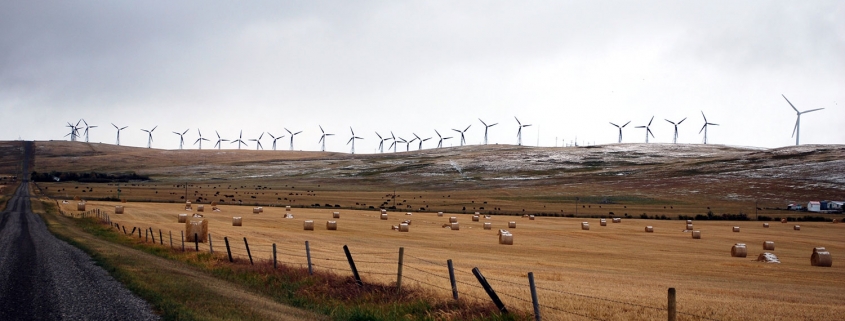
(519, 132)
(440, 142)
(704, 128)
(381, 142)
(395, 142)
(647, 130)
(240, 140)
(74, 130)
(796, 131)
(219, 141)
(620, 129)
(421, 140)
(275, 139)
(150, 139)
(118, 132)
(291, 137)
(258, 141)
(485, 129)
(675, 138)
(323, 138)
(352, 140)
(86, 129)
(199, 140)
(463, 139)
(182, 137)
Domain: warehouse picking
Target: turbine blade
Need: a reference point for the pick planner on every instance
(705, 117)
(790, 103)
(517, 120)
(649, 122)
(485, 124)
(467, 128)
(626, 124)
(614, 125)
(811, 110)
(669, 121)
(682, 120)
(702, 128)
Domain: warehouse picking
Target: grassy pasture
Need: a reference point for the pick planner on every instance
(577, 270)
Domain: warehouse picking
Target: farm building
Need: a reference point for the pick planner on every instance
(835, 205)
(814, 206)
(794, 207)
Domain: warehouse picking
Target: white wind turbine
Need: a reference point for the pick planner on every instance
(797, 130)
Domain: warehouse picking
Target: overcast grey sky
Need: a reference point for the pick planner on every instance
(567, 67)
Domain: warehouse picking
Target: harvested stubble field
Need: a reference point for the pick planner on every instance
(613, 272)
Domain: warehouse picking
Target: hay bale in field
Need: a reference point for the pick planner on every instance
(395, 227)
(506, 238)
(768, 245)
(585, 226)
(213, 204)
(797, 227)
(475, 218)
(736, 229)
(256, 210)
(406, 222)
(531, 217)
(649, 229)
(455, 226)
(835, 221)
(183, 218)
(511, 224)
(287, 208)
(689, 221)
(477, 213)
(76, 198)
(384, 216)
(766, 225)
(331, 225)
(308, 225)
(783, 220)
(616, 220)
(80, 206)
(118, 209)
(739, 250)
(603, 222)
(336, 215)
(198, 229)
(288, 215)
(404, 227)
(768, 258)
(409, 213)
(260, 209)
(439, 213)
(188, 206)
(524, 215)
(486, 217)
(200, 208)
(383, 211)
(237, 221)
(689, 227)
(196, 215)
(453, 219)
(488, 225)
(123, 200)
(821, 258)
(696, 234)
(215, 209)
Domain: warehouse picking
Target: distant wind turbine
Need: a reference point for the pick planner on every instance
(150, 139)
(275, 139)
(240, 140)
(291, 137)
(420, 140)
(620, 129)
(118, 132)
(381, 142)
(258, 141)
(199, 140)
(519, 132)
(395, 142)
(86, 129)
(182, 137)
(440, 142)
(675, 139)
(647, 130)
(704, 128)
(323, 138)
(219, 141)
(486, 127)
(463, 139)
(796, 131)
(352, 140)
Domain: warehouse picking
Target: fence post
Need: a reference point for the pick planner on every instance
(489, 290)
(139, 233)
(196, 242)
(452, 279)
(308, 255)
(399, 271)
(183, 240)
(210, 247)
(146, 235)
(152, 235)
(160, 238)
(671, 305)
(534, 300)
(275, 263)
(247, 251)
(124, 230)
(228, 250)
(352, 266)
(171, 239)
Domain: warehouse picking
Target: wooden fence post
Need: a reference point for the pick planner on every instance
(124, 230)
(210, 247)
(228, 250)
(247, 251)
(671, 305)
(171, 239)
(399, 271)
(139, 233)
(183, 240)
(452, 279)
(196, 242)
(489, 290)
(352, 266)
(152, 235)
(146, 235)
(308, 255)
(160, 238)
(534, 300)
(275, 262)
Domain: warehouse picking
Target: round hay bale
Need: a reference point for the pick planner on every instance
(766, 225)
(689, 226)
(200, 208)
(331, 225)
(768, 245)
(123, 200)
(260, 209)
(835, 221)
(821, 258)
(524, 215)
(383, 211)
(287, 208)
(453, 219)
(783, 220)
(475, 218)
(196, 215)
(183, 218)
(530, 217)
(768, 258)
(198, 229)
(696, 234)
(308, 225)
(819, 249)
(689, 221)
(409, 213)
(213, 204)
(80, 206)
(439, 213)
(649, 229)
(455, 226)
(404, 227)
(585, 226)
(736, 229)
(384, 216)
(603, 222)
(477, 213)
(336, 215)
(506, 239)
(797, 227)
(739, 250)
(76, 198)
(118, 209)
(256, 210)
(511, 224)
(617, 220)
(488, 225)
(237, 221)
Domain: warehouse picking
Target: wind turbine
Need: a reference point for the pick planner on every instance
(647, 129)
(796, 131)
(421, 140)
(381, 142)
(704, 128)
(291, 137)
(519, 133)
(352, 139)
(485, 129)
(219, 141)
(620, 129)
(199, 140)
(258, 141)
(463, 140)
(323, 139)
(240, 140)
(275, 139)
(118, 132)
(675, 139)
(440, 142)
(395, 142)
(86, 129)
(150, 139)
(182, 137)
(74, 131)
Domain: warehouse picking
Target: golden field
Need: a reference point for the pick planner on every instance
(613, 272)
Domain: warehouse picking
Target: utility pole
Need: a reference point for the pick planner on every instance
(186, 191)
(576, 205)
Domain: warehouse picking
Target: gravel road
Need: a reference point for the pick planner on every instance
(44, 278)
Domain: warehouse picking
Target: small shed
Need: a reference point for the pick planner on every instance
(814, 206)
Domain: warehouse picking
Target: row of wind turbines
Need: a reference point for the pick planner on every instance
(395, 141)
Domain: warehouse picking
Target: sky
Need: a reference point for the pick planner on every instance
(568, 68)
